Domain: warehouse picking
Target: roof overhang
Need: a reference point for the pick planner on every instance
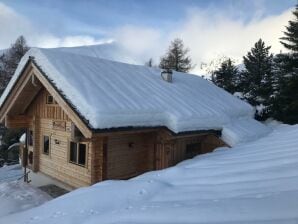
(25, 89)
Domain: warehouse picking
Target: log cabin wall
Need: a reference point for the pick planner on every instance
(171, 150)
(129, 155)
(50, 120)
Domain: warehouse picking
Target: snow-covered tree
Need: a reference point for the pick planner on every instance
(256, 80)
(225, 76)
(285, 102)
(10, 59)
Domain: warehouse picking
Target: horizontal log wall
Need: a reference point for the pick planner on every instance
(130, 155)
(56, 164)
(171, 150)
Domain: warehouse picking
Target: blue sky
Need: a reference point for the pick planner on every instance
(94, 17)
(144, 28)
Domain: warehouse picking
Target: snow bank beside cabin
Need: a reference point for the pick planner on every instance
(243, 130)
(10, 173)
(112, 94)
(255, 182)
(17, 196)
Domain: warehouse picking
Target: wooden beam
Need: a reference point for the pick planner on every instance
(20, 121)
(15, 92)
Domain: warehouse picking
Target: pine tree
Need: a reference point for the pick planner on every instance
(285, 102)
(290, 40)
(225, 76)
(256, 80)
(177, 57)
(10, 59)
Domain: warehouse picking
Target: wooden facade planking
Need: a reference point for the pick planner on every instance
(130, 155)
(56, 164)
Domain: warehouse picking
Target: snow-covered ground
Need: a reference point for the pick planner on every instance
(10, 173)
(254, 182)
(17, 196)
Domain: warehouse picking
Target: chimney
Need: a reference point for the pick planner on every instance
(167, 75)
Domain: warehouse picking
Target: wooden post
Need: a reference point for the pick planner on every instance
(25, 156)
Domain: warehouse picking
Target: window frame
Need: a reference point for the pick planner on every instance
(50, 102)
(30, 137)
(77, 157)
(43, 144)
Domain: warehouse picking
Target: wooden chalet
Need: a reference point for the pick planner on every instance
(62, 144)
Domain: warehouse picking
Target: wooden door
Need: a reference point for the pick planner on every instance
(164, 155)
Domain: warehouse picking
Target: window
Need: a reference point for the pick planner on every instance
(50, 99)
(192, 150)
(73, 152)
(46, 145)
(30, 157)
(77, 153)
(30, 138)
(82, 154)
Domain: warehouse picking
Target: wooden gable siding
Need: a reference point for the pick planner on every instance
(56, 164)
(40, 109)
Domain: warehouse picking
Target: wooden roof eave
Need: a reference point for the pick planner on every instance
(135, 130)
(62, 102)
(15, 91)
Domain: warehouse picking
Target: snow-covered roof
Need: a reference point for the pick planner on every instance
(111, 94)
(111, 51)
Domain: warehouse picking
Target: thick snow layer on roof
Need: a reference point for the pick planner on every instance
(111, 51)
(112, 94)
(255, 182)
(243, 130)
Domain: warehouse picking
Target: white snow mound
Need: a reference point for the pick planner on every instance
(255, 182)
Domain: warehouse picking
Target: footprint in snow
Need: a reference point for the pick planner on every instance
(142, 192)
(129, 207)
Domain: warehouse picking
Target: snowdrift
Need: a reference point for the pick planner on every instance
(255, 182)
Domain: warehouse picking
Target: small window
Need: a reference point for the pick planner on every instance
(50, 99)
(30, 138)
(77, 153)
(192, 150)
(46, 145)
